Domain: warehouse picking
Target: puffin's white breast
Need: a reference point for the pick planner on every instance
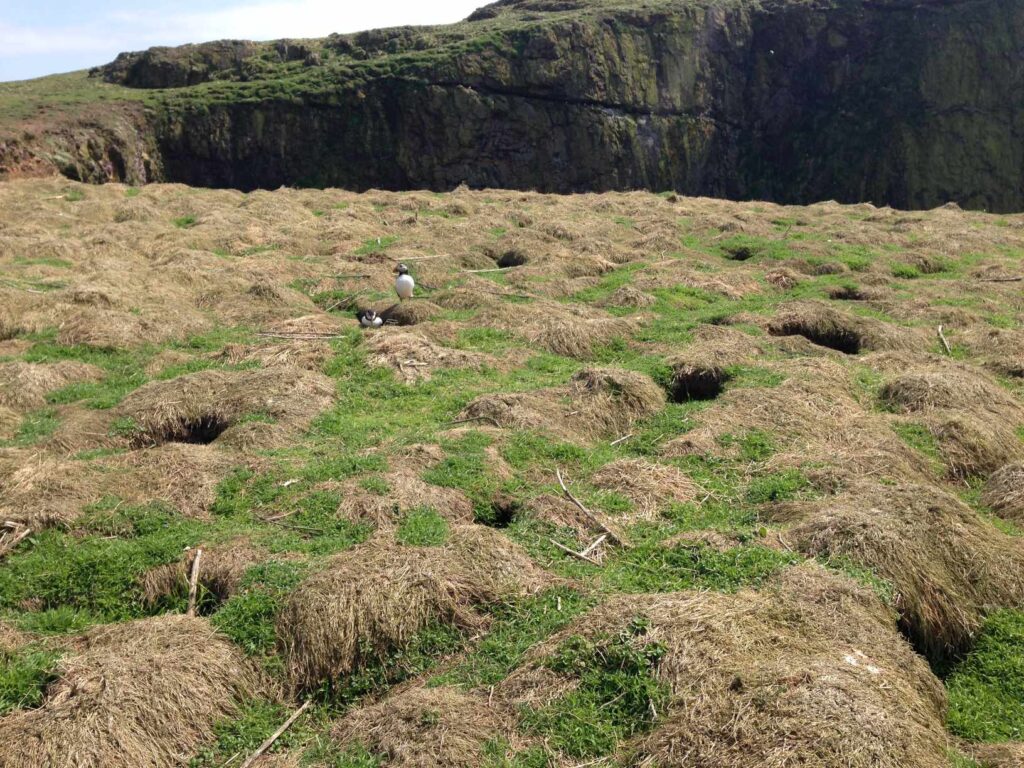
(404, 286)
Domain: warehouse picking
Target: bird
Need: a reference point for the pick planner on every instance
(369, 319)
(404, 284)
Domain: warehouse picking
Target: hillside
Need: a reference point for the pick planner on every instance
(911, 104)
(635, 480)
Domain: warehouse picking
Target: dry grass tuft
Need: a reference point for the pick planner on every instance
(808, 670)
(597, 401)
(10, 421)
(11, 639)
(221, 569)
(846, 333)
(143, 693)
(1004, 492)
(429, 728)
(562, 329)
(373, 599)
(405, 492)
(411, 312)
(651, 487)
(415, 357)
(628, 296)
(24, 386)
(947, 564)
(976, 445)
(948, 387)
(1007, 755)
(215, 404)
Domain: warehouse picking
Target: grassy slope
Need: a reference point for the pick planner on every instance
(61, 581)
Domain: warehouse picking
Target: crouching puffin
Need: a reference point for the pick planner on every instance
(369, 319)
(404, 284)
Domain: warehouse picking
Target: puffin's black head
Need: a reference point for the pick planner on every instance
(402, 269)
(367, 314)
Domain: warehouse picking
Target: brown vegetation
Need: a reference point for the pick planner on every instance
(372, 599)
(142, 693)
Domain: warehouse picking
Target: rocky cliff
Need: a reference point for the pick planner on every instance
(907, 103)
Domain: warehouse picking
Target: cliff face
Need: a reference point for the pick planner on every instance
(910, 104)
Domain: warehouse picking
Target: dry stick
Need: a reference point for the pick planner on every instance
(9, 546)
(574, 553)
(1002, 279)
(477, 418)
(945, 344)
(193, 584)
(481, 271)
(590, 515)
(276, 734)
(621, 440)
(300, 336)
(595, 545)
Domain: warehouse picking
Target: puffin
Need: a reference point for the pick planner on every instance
(404, 284)
(369, 319)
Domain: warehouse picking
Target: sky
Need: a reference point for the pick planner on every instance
(49, 36)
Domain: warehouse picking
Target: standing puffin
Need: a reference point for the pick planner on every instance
(369, 319)
(404, 284)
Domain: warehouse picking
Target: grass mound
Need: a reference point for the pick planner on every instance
(236, 408)
(597, 401)
(806, 671)
(415, 357)
(374, 598)
(948, 388)
(651, 487)
(221, 570)
(410, 312)
(24, 386)
(1004, 492)
(398, 493)
(142, 693)
(429, 728)
(947, 565)
(846, 333)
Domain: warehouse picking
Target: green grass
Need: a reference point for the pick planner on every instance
(920, 438)
(616, 696)
(96, 575)
(376, 245)
(517, 626)
(184, 222)
(422, 528)
(986, 691)
(24, 676)
(244, 734)
(653, 567)
(248, 617)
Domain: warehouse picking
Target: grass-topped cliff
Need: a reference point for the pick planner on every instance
(907, 104)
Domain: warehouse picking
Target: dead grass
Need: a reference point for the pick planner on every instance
(1004, 492)
(807, 671)
(24, 386)
(429, 728)
(234, 408)
(842, 332)
(414, 357)
(141, 693)
(949, 387)
(405, 492)
(597, 402)
(221, 569)
(562, 329)
(373, 599)
(649, 486)
(947, 564)
(1008, 755)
